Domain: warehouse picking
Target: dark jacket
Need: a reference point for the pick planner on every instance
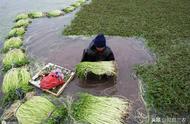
(92, 55)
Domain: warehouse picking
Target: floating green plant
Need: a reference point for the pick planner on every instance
(14, 42)
(99, 110)
(36, 14)
(22, 23)
(17, 32)
(77, 4)
(69, 9)
(97, 68)
(35, 110)
(21, 16)
(14, 58)
(54, 13)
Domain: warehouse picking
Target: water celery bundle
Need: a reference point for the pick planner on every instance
(22, 23)
(35, 110)
(68, 9)
(15, 78)
(97, 68)
(21, 16)
(36, 14)
(14, 58)
(81, 1)
(17, 32)
(14, 42)
(77, 4)
(54, 13)
(99, 110)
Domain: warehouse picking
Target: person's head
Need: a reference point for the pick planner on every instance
(100, 42)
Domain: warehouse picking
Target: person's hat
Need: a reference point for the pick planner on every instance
(100, 41)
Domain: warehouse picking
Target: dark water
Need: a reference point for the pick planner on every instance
(45, 43)
(10, 8)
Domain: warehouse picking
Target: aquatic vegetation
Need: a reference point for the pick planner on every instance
(17, 32)
(15, 78)
(163, 33)
(69, 9)
(22, 23)
(97, 68)
(54, 13)
(35, 110)
(21, 16)
(14, 58)
(77, 4)
(99, 109)
(15, 85)
(81, 1)
(14, 42)
(36, 14)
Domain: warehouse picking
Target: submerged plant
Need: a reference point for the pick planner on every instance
(36, 14)
(14, 42)
(97, 68)
(22, 23)
(99, 110)
(35, 110)
(21, 16)
(14, 58)
(69, 9)
(17, 32)
(54, 13)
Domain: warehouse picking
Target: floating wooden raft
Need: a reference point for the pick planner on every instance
(68, 76)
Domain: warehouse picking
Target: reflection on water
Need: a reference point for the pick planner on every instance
(10, 8)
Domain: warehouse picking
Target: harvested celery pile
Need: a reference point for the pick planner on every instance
(22, 16)
(14, 79)
(35, 110)
(14, 42)
(36, 14)
(54, 13)
(14, 58)
(69, 9)
(97, 68)
(22, 22)
(99, 110)
(77, 4)
(17, 32)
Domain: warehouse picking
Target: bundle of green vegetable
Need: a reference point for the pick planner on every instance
(17, 32)
(14, 58)
(21, 16)
(99, 110)
(14, 79)
(14, 42)
(77, 4)
(22, 23)
(34, 111)
(97, 68)
(68, 9)
(58, 116)
(36, 14)
(54, 13)
(81, 1)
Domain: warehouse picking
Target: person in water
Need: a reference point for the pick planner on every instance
(98, 50)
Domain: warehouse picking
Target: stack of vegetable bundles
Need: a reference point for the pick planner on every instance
(101, 68)
(99, 110)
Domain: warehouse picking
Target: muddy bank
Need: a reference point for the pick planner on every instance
(45, 43)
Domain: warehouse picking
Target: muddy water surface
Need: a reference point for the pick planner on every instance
(45, 43)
